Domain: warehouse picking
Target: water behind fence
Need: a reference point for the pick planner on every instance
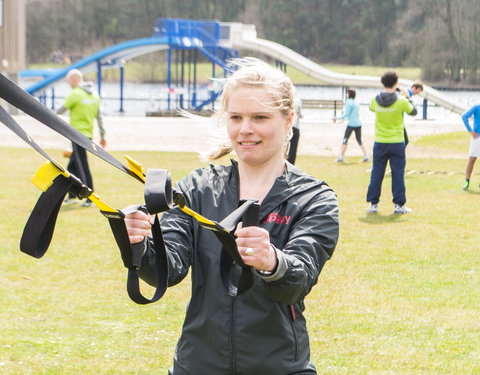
(140, 98)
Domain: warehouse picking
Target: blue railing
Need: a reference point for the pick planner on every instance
(203, 33)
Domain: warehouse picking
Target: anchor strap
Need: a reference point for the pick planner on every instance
(55, 182)
(22, 100)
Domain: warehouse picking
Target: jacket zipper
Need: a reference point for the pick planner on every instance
(294, 329)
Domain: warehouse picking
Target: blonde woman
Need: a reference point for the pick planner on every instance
(262, 331)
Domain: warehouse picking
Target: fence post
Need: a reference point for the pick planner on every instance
(425, 106)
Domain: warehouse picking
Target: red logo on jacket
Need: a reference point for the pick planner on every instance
(274, 217)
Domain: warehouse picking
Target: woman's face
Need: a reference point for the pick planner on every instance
(257, 132)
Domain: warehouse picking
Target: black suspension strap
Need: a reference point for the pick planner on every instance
(19, 98)
(55, 182)
(230, 259)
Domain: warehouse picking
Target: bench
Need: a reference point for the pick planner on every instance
(323, 104)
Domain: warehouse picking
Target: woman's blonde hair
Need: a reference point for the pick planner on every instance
(255, 73)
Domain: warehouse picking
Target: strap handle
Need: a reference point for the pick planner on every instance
(230, 258)
(55, 182)
(38, 231)
(132, 256)
(35, 241)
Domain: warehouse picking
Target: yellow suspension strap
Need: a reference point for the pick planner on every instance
(230, 258)
(160, 196)
(55, 182)
(25, 102)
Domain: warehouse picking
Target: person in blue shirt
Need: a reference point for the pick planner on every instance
(415, 89)
(352, 114)
(474, 131)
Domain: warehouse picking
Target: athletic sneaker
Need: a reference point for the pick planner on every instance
(70, 201)
(365, 159)
(339, 160)
(466, 184)
(87, 203)
(400, 210)
(373, 209)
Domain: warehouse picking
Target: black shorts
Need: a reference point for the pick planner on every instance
(348, 133)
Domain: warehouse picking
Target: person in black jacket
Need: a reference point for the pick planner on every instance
(263, 330)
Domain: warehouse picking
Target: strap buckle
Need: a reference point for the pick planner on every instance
(78, 189)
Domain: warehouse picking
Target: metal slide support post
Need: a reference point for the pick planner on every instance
(182, 77)
(189, 77)
(99, 77)
(194, 95)
(52, 90)
(122, 78)
(425, 107)
(210, 92)
(169, 75)
(178, 77)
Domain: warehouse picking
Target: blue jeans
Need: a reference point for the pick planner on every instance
(395, 154)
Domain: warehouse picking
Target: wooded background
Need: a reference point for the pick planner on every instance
(440, 36)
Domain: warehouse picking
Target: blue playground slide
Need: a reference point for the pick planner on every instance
(112, 56)
(218, 42)
(169, 34)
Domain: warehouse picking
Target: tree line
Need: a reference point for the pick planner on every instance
(439, 36)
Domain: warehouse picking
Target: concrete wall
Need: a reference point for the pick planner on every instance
(12, 41)
(12, 36)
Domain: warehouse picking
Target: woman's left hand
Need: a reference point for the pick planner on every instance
(254, 246)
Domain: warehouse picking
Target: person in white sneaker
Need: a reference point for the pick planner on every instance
(389, 146)
(352, 115)
(474, 131)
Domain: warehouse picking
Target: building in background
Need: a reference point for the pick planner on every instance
(12, 39)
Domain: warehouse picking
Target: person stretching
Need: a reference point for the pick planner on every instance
(352, 114)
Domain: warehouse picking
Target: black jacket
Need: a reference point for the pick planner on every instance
(262, 331)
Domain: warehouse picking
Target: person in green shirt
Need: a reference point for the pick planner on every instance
(84, 106)
(389, 144)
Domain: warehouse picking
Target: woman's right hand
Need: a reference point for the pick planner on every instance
(138, 225)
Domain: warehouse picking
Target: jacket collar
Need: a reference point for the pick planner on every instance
(292, 182)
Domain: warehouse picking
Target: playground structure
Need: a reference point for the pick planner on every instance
(183, 40)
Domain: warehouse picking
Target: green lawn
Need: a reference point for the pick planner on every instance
(400, 295)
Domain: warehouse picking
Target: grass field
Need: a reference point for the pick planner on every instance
(400, 295)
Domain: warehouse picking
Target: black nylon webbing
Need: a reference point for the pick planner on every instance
(132, 257)
(38, 231)
(10, 123)
(19, 98)
(231, 262)
(35, 241)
